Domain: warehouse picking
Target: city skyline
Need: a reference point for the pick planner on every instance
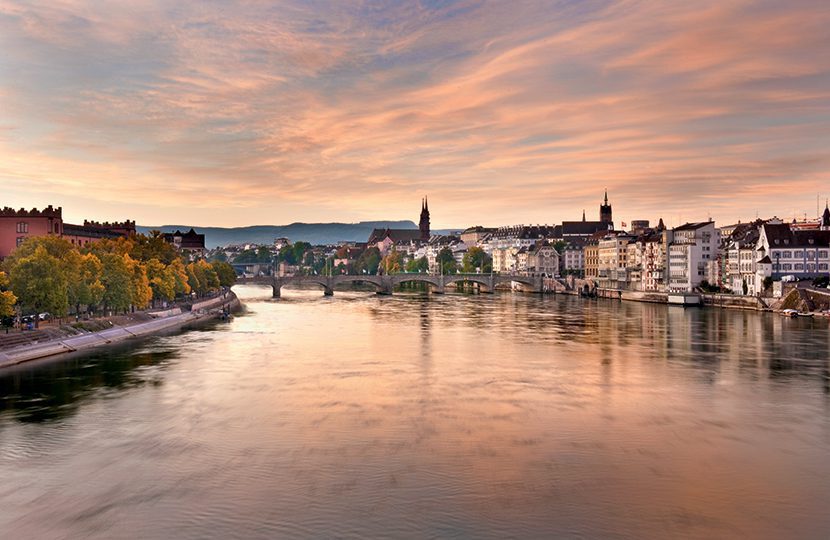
(243, 114)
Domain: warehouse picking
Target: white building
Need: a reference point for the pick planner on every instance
(693, 246)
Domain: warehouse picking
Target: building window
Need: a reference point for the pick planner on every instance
(799, 254)
(20, 240)
(822, 254)
(22, 227)
(822, 266)
(787, 254)
(799, 267)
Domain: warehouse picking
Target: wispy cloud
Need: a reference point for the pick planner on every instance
(502, 112)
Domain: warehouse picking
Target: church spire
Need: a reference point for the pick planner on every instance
(423, 224)
(583, 214)
(606, 197)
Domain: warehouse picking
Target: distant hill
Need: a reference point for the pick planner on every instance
(314, 233)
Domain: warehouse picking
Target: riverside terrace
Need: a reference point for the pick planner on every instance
(386, 283)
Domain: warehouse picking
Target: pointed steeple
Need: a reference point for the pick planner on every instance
(423, 224)
(583, 214)
(825, 217)
(606, 197)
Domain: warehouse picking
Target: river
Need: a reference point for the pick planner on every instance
(414, 416)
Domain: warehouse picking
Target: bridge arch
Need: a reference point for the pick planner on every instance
(375, 281)
(433, 281)
(486, 282)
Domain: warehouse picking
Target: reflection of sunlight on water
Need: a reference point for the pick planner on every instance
(421, 415)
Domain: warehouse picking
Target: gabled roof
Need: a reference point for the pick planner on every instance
(582, 228)
(396, 235)
(693, 226)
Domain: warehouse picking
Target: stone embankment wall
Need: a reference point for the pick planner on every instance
(204, 310)
(734, 301)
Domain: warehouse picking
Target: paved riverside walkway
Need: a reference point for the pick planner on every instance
(201, 311)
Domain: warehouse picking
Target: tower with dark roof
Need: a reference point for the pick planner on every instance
(825, 218)
(605, 211)
(423, 224)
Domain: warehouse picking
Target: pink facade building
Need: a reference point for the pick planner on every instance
(18, 225)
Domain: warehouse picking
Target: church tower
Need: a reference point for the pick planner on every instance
(605, 211)
(423, 224)
(825, 218)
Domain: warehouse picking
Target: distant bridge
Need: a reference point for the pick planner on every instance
(385, 284)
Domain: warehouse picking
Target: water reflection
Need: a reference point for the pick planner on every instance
(430, 416)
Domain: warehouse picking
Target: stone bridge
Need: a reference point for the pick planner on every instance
(386, 283)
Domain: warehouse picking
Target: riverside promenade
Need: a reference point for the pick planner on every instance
(167, 320)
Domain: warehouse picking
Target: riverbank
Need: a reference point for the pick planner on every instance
(158, 322)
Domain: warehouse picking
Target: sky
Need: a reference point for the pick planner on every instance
(269, 112)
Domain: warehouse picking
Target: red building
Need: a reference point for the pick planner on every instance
(18, 225)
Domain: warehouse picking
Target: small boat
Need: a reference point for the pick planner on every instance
(790, 313)
(804, 314)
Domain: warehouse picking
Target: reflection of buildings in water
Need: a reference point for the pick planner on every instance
(425, 365)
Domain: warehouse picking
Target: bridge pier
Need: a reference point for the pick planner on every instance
(275, 291)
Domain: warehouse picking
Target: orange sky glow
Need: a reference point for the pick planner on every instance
(243, 113)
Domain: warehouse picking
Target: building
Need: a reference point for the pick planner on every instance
(572, 259)
(605, 215)
(692, 247)
(612, 260)
(189, 242)
(473, 235)
(18, 225)
(800, 253)
(423, 222)
(407, 239)
(542, 259)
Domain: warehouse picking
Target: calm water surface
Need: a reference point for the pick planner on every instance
(488, 416)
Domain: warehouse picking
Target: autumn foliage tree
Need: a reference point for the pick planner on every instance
(7, 298)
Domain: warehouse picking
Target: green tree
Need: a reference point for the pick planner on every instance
(153, 246)
(417, 265)
(476, 260)
(53, 245)
(162, 282)
(368, 261)
(226, 273)
(7, 298)
(40, 283)
(84, 279)
(116, 275)
(202, 277)
(446, 261)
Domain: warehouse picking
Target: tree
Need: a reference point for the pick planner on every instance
(446, 261)
(40, 283)
(202, 278)
(116, 275)
(153, 246)
(162, 282)
(392, 263)
(418, 265)
(7, 298)
(141, 294)
(476, 260)
(84, 279)
(226, 273)
(178, 273)
(368, 261)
